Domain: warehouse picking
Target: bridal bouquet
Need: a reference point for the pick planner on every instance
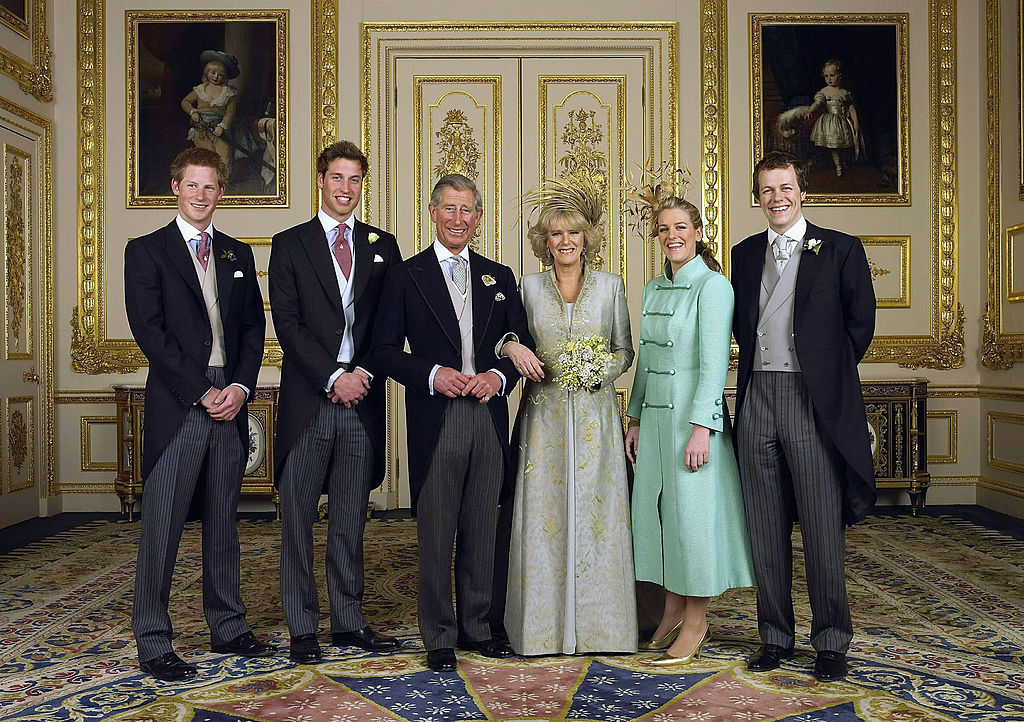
(582, 363)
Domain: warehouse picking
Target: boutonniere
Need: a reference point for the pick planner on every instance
(230, 255)
(488, 280)
(813, 245)
(372, 238)
(499, 296)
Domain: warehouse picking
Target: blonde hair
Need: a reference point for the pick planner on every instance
(593, 236)
(684, 205)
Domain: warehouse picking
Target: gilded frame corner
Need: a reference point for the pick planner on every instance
(34, 74)
(900, 176)
(135, 198)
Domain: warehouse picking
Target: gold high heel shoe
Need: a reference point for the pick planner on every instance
(667, 660)
(656, 645)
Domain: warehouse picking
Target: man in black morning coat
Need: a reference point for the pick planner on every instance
(453, 306)
(804, 317)
(196, 312)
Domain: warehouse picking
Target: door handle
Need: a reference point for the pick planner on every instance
(30, 377)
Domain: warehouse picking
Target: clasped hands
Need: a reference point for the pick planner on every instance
(223, 404)
(454, 383)
(349, 388)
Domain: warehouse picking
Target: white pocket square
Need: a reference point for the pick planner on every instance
(239, 274)
(499, 296)
(377, 259)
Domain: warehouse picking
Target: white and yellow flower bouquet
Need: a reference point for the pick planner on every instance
(582, 363)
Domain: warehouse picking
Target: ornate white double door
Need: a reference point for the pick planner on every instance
(508, 123)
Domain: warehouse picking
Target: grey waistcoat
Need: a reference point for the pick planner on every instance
(775, 343)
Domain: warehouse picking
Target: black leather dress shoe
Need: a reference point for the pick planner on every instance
(768, 657)
(493, 648)
(245, 645)
(168, 667)
(830, 666)
(305, 649)
(441, 660)
(365, 638)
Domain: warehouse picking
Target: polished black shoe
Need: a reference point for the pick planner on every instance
(168, 667)
(830, 666)
(493, 648)
(441, 660)
(245, 645)
(768, 657)
(305, 649)
(365, 638)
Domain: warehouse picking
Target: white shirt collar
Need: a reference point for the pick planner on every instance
(443, 254)
(330, 224)
(190, 232)
(795, 232)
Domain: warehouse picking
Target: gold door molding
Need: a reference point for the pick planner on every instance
(714, 154)
(18, 331)
(37, 189)
(92, 351)
(33, 72)
(383, 44)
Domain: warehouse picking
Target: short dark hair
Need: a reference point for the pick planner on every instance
(780, 159)
(201, 158)
(342, 149)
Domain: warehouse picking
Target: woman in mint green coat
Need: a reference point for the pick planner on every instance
(688, 526)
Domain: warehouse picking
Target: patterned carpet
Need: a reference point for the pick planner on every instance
(938, 604)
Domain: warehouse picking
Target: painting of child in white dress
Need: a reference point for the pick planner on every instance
(834, 94)
(216, 84)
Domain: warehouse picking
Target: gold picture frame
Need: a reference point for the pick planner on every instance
(92, 350)
(32, 71)
(167, 54)
(858, 146)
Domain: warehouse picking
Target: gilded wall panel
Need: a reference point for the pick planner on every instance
(88, 424)
(457, 127)
(1006, 441)
(889, 261)
(943, 436)
(19, 242)
(25, 48)
(19, 442)
(583, 137)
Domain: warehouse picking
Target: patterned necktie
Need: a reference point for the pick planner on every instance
(459, 273)
(203, 249)
(781, 244)
(342, 251)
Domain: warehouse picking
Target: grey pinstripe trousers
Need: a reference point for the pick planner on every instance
(458, 506)
(790, 471)
(334, 447)
(199, 442)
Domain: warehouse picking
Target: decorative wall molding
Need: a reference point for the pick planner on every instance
(950, 416)
(714, 99)
(34, 74)
(88, 463)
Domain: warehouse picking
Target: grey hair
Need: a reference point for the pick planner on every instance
(458, 182)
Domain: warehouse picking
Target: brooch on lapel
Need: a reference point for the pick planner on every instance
(499, 296)
(230, 255)
(372, 238)
(813, 245)
(488, 280)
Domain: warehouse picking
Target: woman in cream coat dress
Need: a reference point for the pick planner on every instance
(689, 533)
(570, 581)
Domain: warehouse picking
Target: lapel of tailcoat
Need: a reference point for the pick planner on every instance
(314, 241)
(179, 252)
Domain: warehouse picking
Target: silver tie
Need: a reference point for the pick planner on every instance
(459, 273)
(781, 250)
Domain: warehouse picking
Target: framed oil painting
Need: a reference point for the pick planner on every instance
(15, 14)
(832, 89)
(214, 79)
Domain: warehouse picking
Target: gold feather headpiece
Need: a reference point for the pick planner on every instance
(567, 195)
(652, 186)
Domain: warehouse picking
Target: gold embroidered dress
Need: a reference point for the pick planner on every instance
(570, 580)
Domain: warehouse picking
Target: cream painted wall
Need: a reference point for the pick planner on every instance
(964, 396)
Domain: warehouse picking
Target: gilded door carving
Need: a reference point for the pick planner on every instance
(19, 477)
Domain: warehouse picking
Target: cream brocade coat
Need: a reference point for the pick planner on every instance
(570, 582)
